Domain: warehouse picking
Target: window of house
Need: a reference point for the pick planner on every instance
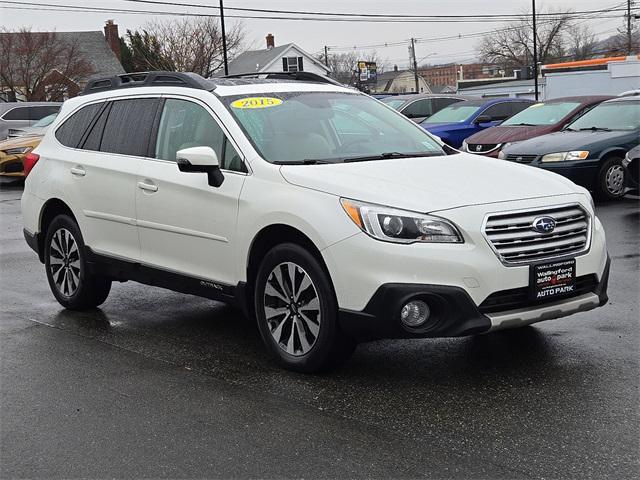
(292, 64)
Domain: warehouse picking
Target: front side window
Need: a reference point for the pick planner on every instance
(498, 111)
(458, 112)
(329, 126)
(419, 108)
(18, 113)
(185, 124)
(619, 115)
(542, 114)
(394, 103)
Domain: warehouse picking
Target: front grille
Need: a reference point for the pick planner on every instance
(519, 297)
(515, 241)
(483, 147)
(513, 157)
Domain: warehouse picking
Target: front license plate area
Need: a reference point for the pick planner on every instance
(550, 280)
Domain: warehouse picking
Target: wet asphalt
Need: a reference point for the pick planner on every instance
(163, 385)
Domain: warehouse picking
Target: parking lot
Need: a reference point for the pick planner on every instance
(158, 384)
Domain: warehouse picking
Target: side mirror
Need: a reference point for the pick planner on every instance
(201, 160)
(482, 119)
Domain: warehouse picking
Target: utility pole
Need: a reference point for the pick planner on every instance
(224, 40)
(326, 56)
(629, 46)
(415, 63)
(535, 51)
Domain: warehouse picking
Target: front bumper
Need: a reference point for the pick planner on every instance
(581, 172)
(454, 313)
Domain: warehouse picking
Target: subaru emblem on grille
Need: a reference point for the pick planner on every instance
(543, 224)
(478, 148)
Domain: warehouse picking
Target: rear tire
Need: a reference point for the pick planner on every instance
(297, 311)
(70, 280)
(610, 180)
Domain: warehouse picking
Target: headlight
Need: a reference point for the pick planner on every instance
(565, 156)
(400, 226)
(17, 150)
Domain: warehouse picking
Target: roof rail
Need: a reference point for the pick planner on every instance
(296, 76)
(147, 79)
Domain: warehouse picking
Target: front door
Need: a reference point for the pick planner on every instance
(184, 224)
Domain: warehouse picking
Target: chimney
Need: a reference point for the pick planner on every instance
(270, 42)
(112, 37)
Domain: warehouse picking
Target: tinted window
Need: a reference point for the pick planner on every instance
(129, 126)
(444, 102)
(419, 108)
(94, 138)
(18, 113)
(394, 102)
(498, 111)
(517, 107)
(36, 113)
(73, 128)
(186, 124)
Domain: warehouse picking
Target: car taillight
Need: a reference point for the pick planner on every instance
(29, 161)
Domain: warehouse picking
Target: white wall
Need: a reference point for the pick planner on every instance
(617, 78)
(308, 64)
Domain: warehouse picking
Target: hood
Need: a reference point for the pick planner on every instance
(504, 134)
(566, 141)
(443, 127)
(428, 184)
(21, 142)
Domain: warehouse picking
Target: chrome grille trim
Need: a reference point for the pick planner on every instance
(512, 238)
(513, 157)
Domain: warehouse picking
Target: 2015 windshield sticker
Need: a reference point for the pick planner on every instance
(256, 102)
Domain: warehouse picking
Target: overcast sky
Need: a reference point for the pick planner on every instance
(312, 36)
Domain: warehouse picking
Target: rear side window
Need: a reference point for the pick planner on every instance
(128, 127)
(498, 111)
(18, 113)
(36, 113)
(419, 108)
(72, 130)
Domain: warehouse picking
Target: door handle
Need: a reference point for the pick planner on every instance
(148, 187)
(78, 171)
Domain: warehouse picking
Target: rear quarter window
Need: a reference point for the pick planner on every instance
(72, 129)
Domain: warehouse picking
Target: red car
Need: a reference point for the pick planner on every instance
(538, 119)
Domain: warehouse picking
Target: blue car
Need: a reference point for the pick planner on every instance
(456, 122)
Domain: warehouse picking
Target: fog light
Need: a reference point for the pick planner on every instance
(415, 313)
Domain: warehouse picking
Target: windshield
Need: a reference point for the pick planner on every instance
(293, 127)
(610, 116)
(46, 121)
(542, 114)
(458, 112)
(395, 103)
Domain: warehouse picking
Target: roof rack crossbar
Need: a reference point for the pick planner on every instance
(300, 76)
(147, 79)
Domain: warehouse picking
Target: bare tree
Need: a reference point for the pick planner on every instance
(39, 65)
(512, 47)
(619, 43)
(191, 44)
(581, 43)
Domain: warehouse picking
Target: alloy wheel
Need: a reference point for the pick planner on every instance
(64, 262)
(292, 308)
(614, 179)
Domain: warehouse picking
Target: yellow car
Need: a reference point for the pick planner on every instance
(12, 152)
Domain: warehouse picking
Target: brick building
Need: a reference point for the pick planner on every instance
(449, 74)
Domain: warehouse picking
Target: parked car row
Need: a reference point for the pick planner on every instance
(582, 138)
(16, 116)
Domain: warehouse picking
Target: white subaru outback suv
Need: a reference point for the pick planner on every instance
(318, 210)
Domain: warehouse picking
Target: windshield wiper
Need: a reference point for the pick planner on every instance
(596, 129)
(390, 155)
(306, 161)
(523, 125)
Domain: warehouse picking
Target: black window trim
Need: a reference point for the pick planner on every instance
(87, 132)
(216, 118)
(67, 117)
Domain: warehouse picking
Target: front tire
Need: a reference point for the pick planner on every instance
(610, 181)
(70, 280)
(297, 311)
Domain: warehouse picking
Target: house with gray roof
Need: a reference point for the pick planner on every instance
(285, 58)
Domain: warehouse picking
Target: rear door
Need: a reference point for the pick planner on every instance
(103, 170)
(186, 225)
